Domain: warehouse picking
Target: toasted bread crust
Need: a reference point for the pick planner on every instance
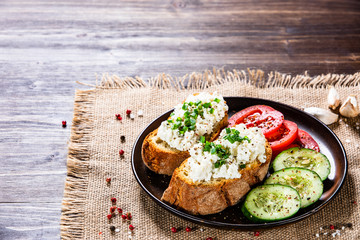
(161, 160)
(212, 197)
(165, 160)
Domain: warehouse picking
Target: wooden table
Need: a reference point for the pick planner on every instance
(45, 46)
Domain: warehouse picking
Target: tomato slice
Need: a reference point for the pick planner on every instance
(305, 140)
(292, 145)
(261, 116)
(284, 136)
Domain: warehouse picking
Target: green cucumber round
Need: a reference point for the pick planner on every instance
(303, 158)
(306, 182)
(268, 203)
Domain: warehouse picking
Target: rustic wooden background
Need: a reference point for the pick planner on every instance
(45, 46)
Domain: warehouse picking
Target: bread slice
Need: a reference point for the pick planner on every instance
(213, 196)
(159, 157)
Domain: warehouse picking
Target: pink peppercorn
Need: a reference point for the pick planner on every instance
(123, 216)
(109, 216)
(332, 227)
(108, 180)
(113, 200)
(173, 229)
(118, 116)
(119, 210)
(63, 124)
(256, 234)
(121, 152)
(128, 112)
(131, 227)
(112, 209)
(209, 238)
(188, 229)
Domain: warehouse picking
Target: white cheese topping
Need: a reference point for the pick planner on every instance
(196, 117)
(203, 165)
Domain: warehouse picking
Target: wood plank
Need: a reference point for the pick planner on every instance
(29, 220)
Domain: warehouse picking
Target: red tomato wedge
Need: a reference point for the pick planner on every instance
(292, 145)
(284, 136)
(261, 116)
(306, 141)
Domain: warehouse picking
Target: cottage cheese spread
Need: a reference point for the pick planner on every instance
(194, 118)
(205, 164)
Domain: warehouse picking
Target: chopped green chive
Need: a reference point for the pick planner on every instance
(217, 100)
(207, 105)
(234, 136)
(202, 139)
(170, 121)
(212, 110)
(242, 166)
(172, 114)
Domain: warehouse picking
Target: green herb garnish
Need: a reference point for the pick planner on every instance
(233, 135)
(217, 100)
(222, 152)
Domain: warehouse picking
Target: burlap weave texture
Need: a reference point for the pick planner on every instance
(95, 144)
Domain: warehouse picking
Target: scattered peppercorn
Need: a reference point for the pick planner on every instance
(128, 216)
(63, 124)
(112, 228)
(173, 229)
(128, 112)
(119, 210)
(113, 200)
(108, 180)
(122, 138)
(332, 227)
(112, 209)
(256, 234)
(188, 229)
(209, 238)
(123, 216)
(118, 116)
(121, 152)
(109, 216)
(131, 227)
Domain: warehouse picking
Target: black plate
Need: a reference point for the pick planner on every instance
(330, 145)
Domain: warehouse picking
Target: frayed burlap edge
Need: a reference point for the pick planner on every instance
(208, 78)
(74, 200)
(73, 204)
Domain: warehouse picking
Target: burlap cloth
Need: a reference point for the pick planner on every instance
(95, 143)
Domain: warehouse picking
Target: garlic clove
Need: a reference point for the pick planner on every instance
(350, 107)
(323, 115)
(333, 98)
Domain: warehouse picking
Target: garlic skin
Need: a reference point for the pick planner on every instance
(333, 98)
(350, 107)
(323, 115)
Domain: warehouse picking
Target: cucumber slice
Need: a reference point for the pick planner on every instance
(268, 203)
(303, 158)
(306, 182)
